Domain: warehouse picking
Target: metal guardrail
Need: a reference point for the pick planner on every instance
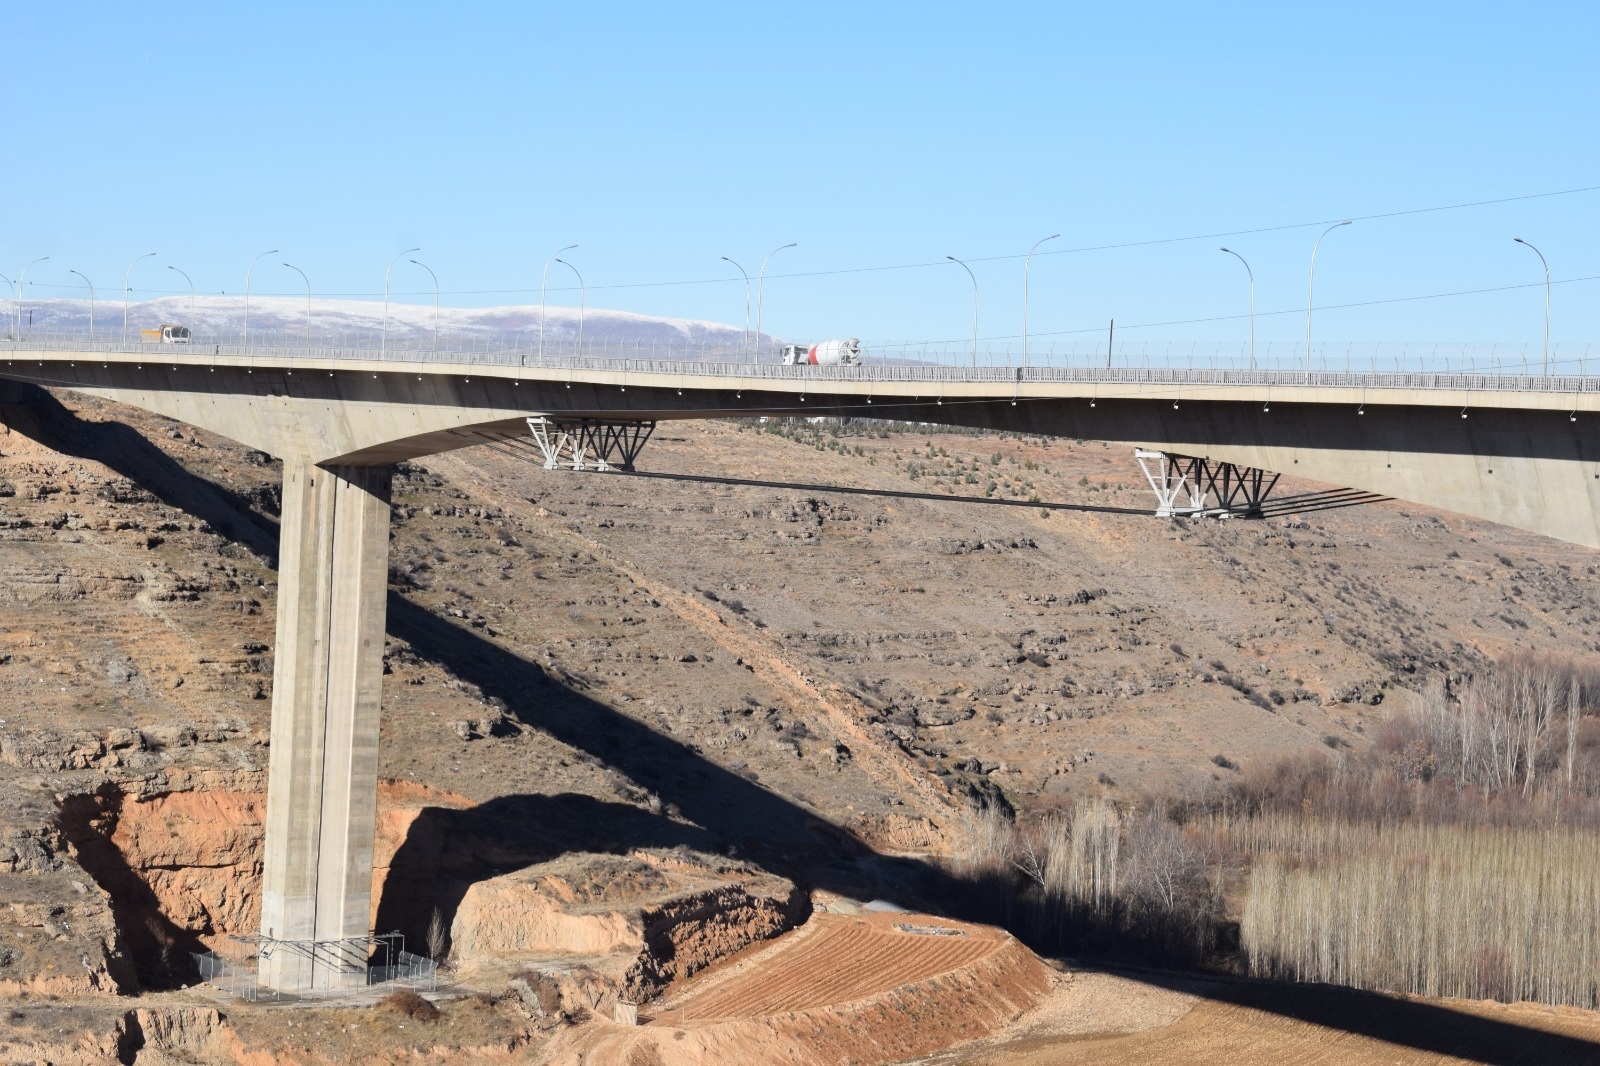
(1457, 380)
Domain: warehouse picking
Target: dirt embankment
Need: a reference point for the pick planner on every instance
(1161, 1020)
(844, 989)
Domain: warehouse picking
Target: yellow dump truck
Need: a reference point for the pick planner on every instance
(165, 334)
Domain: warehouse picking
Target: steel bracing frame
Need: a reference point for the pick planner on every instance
(1238, 490)
(1183, 484)
(588, 443)
(1191, 486)
(1175, 494)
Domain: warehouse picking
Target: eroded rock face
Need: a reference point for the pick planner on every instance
(180, 869)
(653, 919)
(28, 850)
(687, 934)
(138, 758)
(200, 853)
(176, 857)
(176, 1034)
(517, 915)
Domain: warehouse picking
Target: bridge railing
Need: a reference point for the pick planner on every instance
(1527, 359)
(1516, 360)
(1464, 380)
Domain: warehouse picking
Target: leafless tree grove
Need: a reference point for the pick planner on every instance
(1456, 857)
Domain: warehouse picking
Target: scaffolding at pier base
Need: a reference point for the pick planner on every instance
(381, 960)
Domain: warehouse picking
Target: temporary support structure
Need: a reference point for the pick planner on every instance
(1182, 484)
(587, 443)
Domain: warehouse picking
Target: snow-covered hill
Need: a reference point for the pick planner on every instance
(360, 324)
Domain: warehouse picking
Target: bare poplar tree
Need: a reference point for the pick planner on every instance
(436, 936)
(1574, 704)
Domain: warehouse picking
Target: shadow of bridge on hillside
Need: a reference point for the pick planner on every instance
(729, 813)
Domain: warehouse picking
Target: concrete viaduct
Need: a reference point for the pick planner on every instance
(1523, 451)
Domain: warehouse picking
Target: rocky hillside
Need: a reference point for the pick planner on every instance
(779, 660)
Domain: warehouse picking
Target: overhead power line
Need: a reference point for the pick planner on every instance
(1300, 310)
(941, 263)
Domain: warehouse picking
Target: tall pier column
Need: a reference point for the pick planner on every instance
(323, 775)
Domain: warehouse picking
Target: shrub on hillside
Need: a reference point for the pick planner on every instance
(411, 1005)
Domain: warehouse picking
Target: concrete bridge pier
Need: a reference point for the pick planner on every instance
(316, 897)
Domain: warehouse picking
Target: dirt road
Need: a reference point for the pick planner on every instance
(1247, 1024)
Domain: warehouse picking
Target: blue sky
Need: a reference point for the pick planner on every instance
(660, 137)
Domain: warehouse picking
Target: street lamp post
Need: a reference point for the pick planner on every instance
(544, 277)
(1025, 264)
(246, 340)
(21, 280)
(89, 283)
(1540, 254)
(191, 291)
(761, 281)
(1252, 274)
(974, 278)
(744, 353)
(435, 278)
(383, 345)
(581, 300)
(13, 287)
(126, 278)
(307, 280)
(1311, 280)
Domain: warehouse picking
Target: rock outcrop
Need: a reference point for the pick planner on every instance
(643, 919)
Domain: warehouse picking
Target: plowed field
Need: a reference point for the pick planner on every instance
(837, 960)
(843, 990)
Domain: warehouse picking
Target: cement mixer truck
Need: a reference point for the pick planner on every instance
(165, 334)
(828, 353)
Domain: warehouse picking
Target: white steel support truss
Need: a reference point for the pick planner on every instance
(1182, 484)
(587, 443)
(1175, 493)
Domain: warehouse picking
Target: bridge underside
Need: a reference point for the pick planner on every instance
(1534, 470)
(1527, 461)
(339, 430)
